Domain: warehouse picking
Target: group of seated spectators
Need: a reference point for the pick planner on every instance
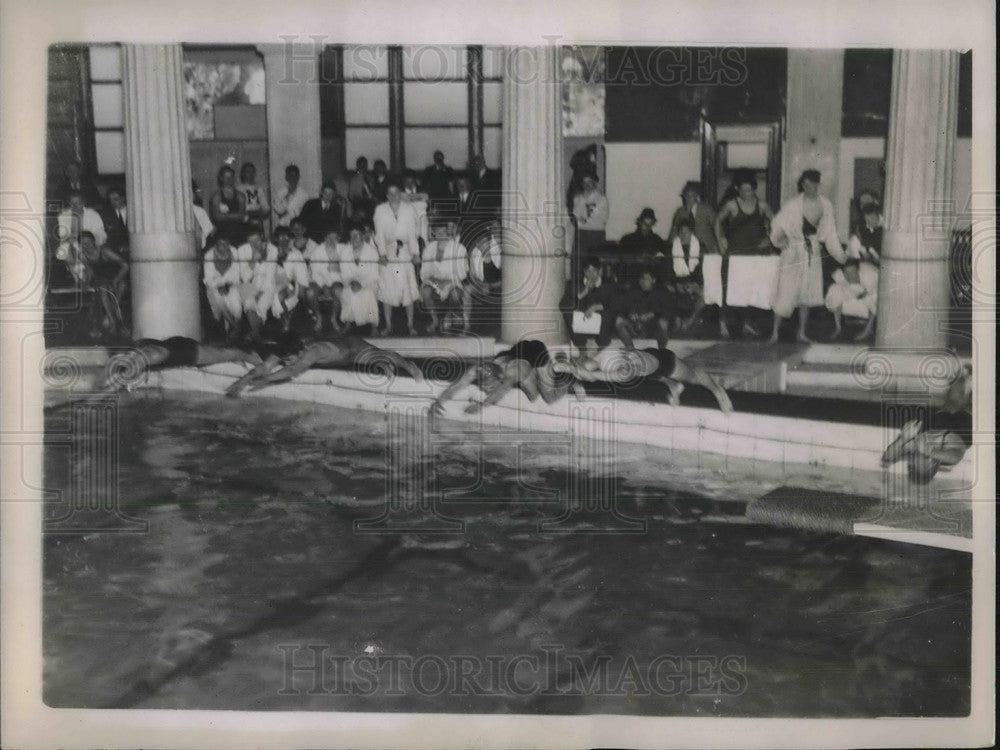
(737, 263)
(394, 241)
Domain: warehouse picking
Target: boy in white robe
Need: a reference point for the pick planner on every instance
(443, 273)
(291, 278)
(359, 274)
(398, 245)
(854, 293)
(222, 284)
(325, 283)
(257, 290)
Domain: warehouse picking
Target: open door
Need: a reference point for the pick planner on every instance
(730, 146)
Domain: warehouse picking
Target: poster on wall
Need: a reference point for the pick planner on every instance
(583, 91)
(209, 84)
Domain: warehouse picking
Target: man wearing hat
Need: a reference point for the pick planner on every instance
(640, 246)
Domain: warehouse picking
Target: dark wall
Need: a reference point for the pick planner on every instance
(660, 93)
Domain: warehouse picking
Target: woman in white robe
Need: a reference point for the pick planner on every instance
(396, 233)
(359, 273)
(222, 284)
(325, 282)
(803, 223)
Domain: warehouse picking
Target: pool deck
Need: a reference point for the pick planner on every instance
(840, 455)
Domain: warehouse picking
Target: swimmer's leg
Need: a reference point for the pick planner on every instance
(689, 373)
(675, 387)
(902, 446)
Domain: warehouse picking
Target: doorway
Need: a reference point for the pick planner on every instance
(730, 146)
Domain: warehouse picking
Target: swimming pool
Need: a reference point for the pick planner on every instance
(252, 588)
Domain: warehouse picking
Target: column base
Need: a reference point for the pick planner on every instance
(166, 285)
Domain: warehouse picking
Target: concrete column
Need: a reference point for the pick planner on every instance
(291, 80)
(165, 267)
(474, 67)
(914, 294)
(815, 108)
(534, 231)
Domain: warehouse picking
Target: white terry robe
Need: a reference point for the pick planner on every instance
(800, 270)
(360, 307)
(396, 241)
(218, 300)
(257, 287)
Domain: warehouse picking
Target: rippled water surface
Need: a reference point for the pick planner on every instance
(252, 563)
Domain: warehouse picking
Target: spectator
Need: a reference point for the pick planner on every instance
(702, 216)
(203, 227)
(443, 275)
(582, 163)
(324, 214)
(645, 312)
(325, 283)
(593, 296)
(488, 188)
(222, 285)
(398, 246)
(854, 294)
(865, 243)
(687, 268)
(468, 228)
(741, 229)
(254, 195)
(863, 199)
(105, 273)
(590, 209)
(359, 274)
(418, 199)
(438, 178)
(228, 208)
(300, 240)
(257, 259)
(291, 197)
(73, 221)
(638, 248)
(804, 224)
(74, 181)
(359, 191)
(115, 218)
(379, 182)
(484, 262)
(291, 278)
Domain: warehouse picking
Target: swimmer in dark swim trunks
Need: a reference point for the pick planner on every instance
(527, 365)
(629, 367)
(124, 370)
(337, 351)
(941, 444)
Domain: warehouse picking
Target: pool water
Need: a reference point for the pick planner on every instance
(252, 568)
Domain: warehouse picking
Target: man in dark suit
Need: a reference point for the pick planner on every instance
(76, 182)
(115, 218)
(438, 178)
(487, 186)
(325, 214)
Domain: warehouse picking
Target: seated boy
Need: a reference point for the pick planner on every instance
(443, 273)
(644, 312)
(854, 293)
(687, 274)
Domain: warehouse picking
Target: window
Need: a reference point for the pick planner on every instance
(108, 101)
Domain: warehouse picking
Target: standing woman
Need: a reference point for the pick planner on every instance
(803, 224)
(227, 208)
(398, 245)
(742, 233)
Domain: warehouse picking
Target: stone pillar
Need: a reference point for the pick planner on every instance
(165, 267)
(914, 292)
(474, 67)
(291, 80)
(534, 231)
(815, 108)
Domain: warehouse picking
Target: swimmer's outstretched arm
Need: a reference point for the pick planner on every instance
(258, 372)
(437, 406)
(401, 363)
(295, 368)
(494, 395)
